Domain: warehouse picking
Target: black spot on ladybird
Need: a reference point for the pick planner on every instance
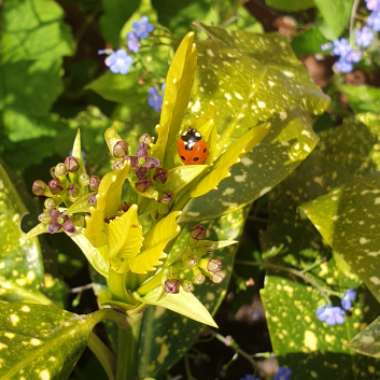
(204, 150)
(196, 159)
(182, 158)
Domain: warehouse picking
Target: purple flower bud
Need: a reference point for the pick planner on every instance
(55, 186)
(39, 187)
(49, 203)
(166, 198)
(172, 286)
(141, 172)
(198, 232)
(133, 161)
(92, 200)
(54, 214)
(120, 149)
(72, 164)
(143, 185)
(160, 175)
(69, 226)
(94, 183)
(60, 170)
(142, 150)
(214, 265)
(73, 191)
(53, 228)
(218, 277)
(151, 162)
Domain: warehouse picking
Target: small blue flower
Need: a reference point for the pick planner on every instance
(283, 373)
(332, 315)
(348, 298)
(373, 5)
(364, 37)
(327, 46)
(133, 42)
(343, 66)
(119, 62)
(341, 47)
(142, 27)
(373, 21)
(249, 377)
(154, 98)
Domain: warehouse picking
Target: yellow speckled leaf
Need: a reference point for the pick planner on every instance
(222, 167)
(155, 242)
(181, 176)
(125, 239)
(178, 84)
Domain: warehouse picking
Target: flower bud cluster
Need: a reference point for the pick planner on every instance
(69, 184)
(195, 266)
(147, 172)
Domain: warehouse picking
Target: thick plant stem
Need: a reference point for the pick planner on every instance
(128, 342)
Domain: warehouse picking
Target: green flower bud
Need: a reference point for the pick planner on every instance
(55, 186)
(187, 286)
(218, 277)
(199, 279)
(39, 187)
(84, 180)
(214, 265)
(60, 170)
(120, 149)
(44, 218)
(49, 203)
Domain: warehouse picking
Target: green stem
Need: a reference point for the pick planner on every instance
(306, 277)
(128, 342)
(103, 354)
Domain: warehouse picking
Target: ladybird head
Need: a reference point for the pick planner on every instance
(191, 134)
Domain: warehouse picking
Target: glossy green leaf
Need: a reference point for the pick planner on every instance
(221, 169)
(309, 347)
(308, 42)
(21, 267)
(166, 336)
(336, 15)
(32, 47)
(178, 86)
(348, 219)
(279, 153)
(367, 342)
(290, 5)
(184, 303)
(115, 14)
(362, 98)
(41, 342)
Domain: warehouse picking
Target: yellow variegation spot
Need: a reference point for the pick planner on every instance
(155, 242)
(222, 167)
(178, 85)
(125, 238)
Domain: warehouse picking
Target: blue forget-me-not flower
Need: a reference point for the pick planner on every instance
(348, 298)
(119, 62)
(155, 98)
(249, 377)
(332, 315)
(373, 5)
(283, 373)
(133, 42)
(364, 37)
(142, 27)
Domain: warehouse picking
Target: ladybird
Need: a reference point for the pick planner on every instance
(191, 147)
